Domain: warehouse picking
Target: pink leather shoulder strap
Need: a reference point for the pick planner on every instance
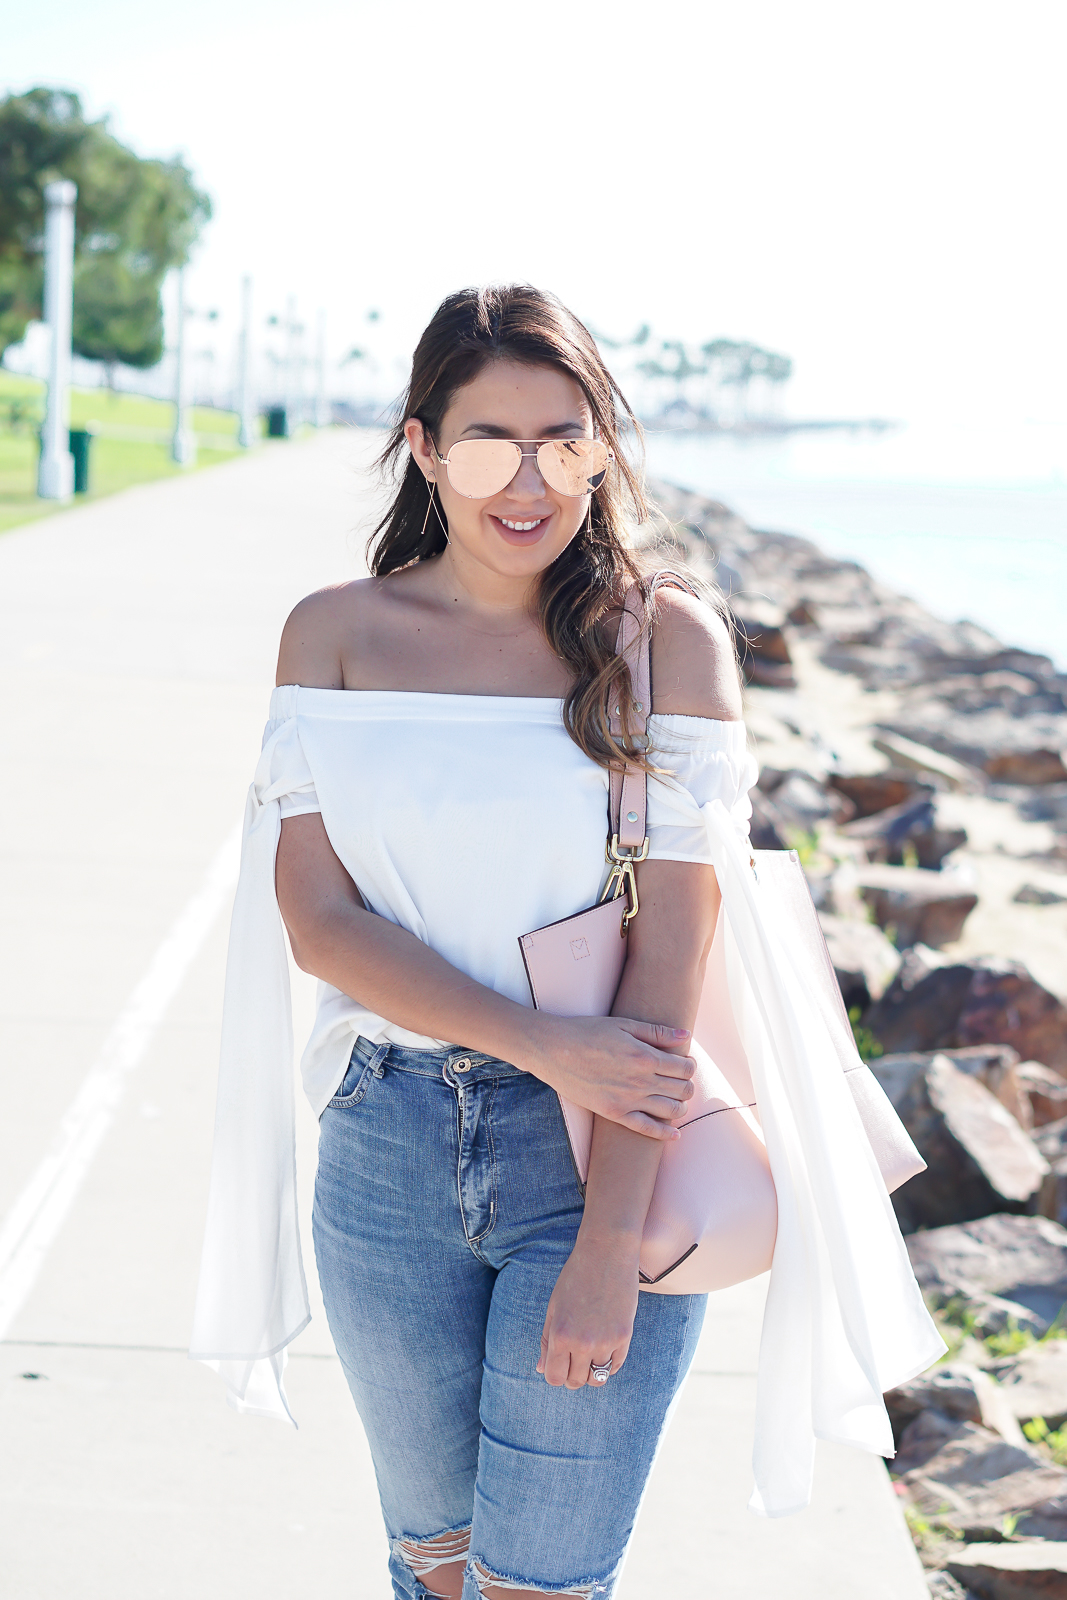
(628, 787)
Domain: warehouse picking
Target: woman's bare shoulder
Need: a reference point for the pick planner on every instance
(694, 665)
(319, 631)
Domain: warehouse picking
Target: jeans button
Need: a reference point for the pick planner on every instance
(464, 1064)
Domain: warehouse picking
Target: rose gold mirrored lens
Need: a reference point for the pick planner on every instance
(573, 466)
(480, 468)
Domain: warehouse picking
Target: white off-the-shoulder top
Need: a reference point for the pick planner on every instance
(471, 820)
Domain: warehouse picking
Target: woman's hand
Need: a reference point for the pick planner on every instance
(590, 1316)
(619, 1068)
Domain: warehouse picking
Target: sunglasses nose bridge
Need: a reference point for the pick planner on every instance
(529, 474)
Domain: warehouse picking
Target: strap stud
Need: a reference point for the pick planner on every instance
(631, 816)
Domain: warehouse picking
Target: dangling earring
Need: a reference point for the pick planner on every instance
(433, 505)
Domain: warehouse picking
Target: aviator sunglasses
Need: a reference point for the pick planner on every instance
(480, 468)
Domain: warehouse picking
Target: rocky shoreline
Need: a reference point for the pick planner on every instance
(919, 767)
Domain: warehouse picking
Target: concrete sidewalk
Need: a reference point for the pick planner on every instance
(137, 645)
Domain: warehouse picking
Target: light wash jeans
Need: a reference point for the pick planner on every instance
(446, 1204)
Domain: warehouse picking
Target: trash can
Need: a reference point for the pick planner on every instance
(277, 423)
(80, 441)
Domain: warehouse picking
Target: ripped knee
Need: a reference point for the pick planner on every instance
(494, 1587)
(423, 1557)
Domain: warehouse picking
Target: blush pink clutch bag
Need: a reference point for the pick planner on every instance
(713, 1217)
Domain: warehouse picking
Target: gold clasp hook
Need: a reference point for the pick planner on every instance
(622, 878)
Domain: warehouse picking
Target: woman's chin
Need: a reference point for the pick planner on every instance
(521, 555)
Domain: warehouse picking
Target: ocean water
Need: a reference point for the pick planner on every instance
(970, 520)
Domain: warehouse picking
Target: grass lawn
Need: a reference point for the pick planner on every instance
(131, 443)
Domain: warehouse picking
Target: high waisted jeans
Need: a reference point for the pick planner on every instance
(445, 1206)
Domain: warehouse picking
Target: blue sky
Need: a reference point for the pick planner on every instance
(875, 189)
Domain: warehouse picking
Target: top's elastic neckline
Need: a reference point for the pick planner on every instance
(431, 694)
(475, 702)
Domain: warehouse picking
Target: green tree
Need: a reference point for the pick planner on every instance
(135, 219)
(736, 362)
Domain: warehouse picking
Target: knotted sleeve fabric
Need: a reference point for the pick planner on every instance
(252, 1297)
(844, 1320)
(700, 760)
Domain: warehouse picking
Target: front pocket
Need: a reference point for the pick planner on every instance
(360, 1081)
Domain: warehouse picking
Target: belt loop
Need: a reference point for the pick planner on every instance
(377, 1060)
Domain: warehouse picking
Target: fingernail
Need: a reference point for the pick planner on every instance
(681, 1033)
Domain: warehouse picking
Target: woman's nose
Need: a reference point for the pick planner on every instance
(528, 480)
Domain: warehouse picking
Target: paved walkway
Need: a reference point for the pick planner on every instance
(137, 643)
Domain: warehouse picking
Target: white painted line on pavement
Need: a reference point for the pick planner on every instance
(40, 1210)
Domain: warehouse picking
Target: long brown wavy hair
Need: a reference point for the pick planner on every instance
(588, 580)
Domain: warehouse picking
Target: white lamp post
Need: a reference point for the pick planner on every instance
(183, 444)
(246, 433)
(322, 409)
(55, 476)
(292, 328)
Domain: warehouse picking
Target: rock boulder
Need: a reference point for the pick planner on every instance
(767, 828)
(997, 1066)
(1034, 1383)
(920, 907)
(872, 792)
(933, 1003)
(959, 1390)
(1005, 1005)
(1046, 1091)
(1032, 894)
(1000, 1266)
(802, 800)
(1045, 804)
(1013, 1571)
(970, 1479)
(1029, 766)
(922, 1005)
(925, 1438)
(764, 652)
(979, 1159)
(1022, 745)
(865, 962)
(888, 835)
(943, 1586)
(904, 752)
(1051, 1140)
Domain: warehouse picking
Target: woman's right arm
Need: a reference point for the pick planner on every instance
(618, 1067)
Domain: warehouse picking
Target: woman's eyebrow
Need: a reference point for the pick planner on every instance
(492, 430)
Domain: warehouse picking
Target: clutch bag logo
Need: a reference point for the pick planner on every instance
(579, 949)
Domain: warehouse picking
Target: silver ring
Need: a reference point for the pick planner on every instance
(601, 1373)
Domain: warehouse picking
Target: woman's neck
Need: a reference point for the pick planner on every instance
(490, 600)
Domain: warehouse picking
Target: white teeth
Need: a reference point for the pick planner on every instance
(521, 527)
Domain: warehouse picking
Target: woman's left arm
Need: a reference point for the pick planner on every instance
(591, 1313)
(592, 1309)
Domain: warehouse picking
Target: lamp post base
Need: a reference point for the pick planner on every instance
(183, 449)
(55, 476)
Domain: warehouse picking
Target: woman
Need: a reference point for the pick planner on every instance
(433, 785)
(506, 602)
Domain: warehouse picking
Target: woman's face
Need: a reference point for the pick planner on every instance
(520, 531)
